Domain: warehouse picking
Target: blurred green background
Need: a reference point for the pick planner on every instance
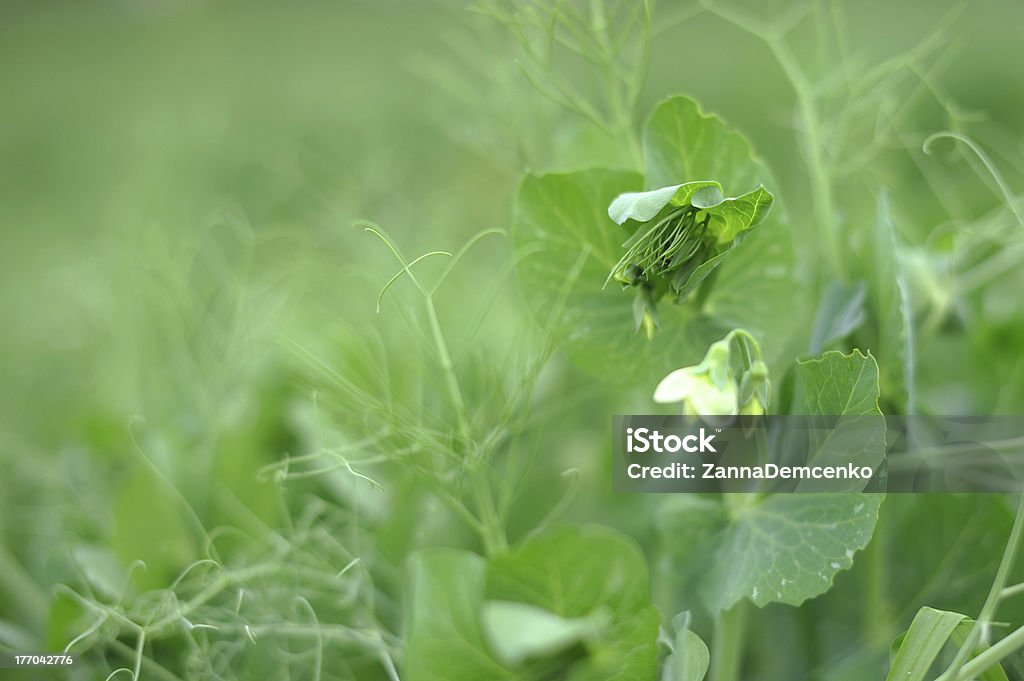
(178, 183)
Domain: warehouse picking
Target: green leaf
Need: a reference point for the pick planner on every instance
(841, 392)
(149, 526)
(836, 385)
(517, 631)
(564, 218)
(840, 313)
(444, 640)
(579, 574)
(918, 649)
(782, 548)
(889, 310)
(788, 548)
(739, 215)
(689, 659)
(682, 142)
(690, 528)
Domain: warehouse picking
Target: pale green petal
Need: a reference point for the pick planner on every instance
(710, 400)
(677, 386)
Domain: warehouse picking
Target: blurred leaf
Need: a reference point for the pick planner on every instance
(689, 659)
(889, 311)
(840, 313)
(13, 637)
(951, 565)
(150, 526)
(690, 527)
(575, 573)
(517, 631)
(102, 569)
(444, 641)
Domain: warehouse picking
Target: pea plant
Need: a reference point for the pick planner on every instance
(450, 515)
(706, 275)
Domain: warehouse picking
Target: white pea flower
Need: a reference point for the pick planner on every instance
(706, 389)
(711, 388)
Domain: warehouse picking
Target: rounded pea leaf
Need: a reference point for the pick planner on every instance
(596, 581)
(518, 631)
(443, 640)
(683, 142)
(561, 221)
(689, 660)
(784, 548)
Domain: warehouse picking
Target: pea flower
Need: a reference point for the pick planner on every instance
(731, 379)
(678, 236)
(754, 390)
(707, 388)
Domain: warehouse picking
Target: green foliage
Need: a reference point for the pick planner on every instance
(787, 547)
(841, 394)
(444, 641)
(682, 141)
(555, 214)
(569, 601)
(919, 648)
(608, 571)
(240, 439)
(689, 659)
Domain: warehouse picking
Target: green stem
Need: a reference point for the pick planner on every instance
(727, 657)
(821, 185)
(491, 527)
(988, 658)
(448, 368)
(876, 610)
(958, 668)
(620, 104)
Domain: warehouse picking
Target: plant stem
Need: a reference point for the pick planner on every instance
(958, 668)
(876, 610)
(988, 658)
(728, 643)
(821, 185)
(448, 367)
(491, 527)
